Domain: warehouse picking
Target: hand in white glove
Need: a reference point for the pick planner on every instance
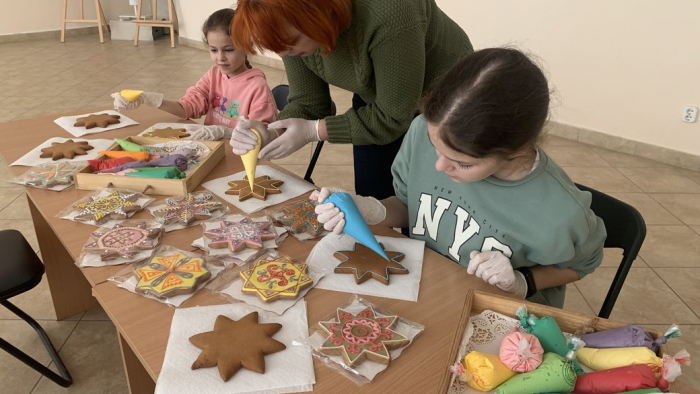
(243, 140)
(495, 268)
(149, 98)
(370, 208)
(299, 133)
(210, 133)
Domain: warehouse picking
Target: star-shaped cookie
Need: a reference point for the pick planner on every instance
(124, 241)
(236, 344)
(167, 132)
(96, 120)
(364, 263)
(277, 278)
(168, 276)
(50, 174)
(300, 217)
(101, 209)
(188, 209)
(68, 149)
(239, 235)
(262, 186)
(361, 335)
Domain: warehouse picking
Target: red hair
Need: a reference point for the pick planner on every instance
(261, 24)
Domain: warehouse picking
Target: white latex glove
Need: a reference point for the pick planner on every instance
(370, 208)
(211, 133)
(149, 98)
(299, 132)
(243, 140)
(495, 268)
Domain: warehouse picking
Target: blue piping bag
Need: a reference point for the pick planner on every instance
(355, 224)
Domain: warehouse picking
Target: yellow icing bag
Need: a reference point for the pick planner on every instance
(131, 95)
(250, 159)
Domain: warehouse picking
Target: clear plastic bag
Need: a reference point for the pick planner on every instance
(273, 283)
(363, 317)
(57, 176)
(105, 207)
(126, 242)
(299, 218)
(179, 212)
(172, 287)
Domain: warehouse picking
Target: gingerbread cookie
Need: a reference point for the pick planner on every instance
(236, 344)
(361, 335)
(124, 241)
(97, 120)
(167, 132)
(300, 217)
(101, 209)
(68, 149)
(262, 186)
(240, 235)
(278, 278)
(364, 263)
(50, 174)
(168, 276)
(188, 209)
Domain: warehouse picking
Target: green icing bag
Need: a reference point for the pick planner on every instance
(554, 375)
(642, 391)
(129, 146)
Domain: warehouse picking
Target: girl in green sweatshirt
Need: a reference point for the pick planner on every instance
(471, 181)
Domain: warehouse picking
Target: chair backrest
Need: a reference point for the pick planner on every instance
(281, 94)
(626, 230)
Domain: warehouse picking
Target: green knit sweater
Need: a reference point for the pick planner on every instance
(389, 55)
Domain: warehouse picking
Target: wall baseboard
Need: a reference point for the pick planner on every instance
(188, 42)
(624, 145)
(46, 35)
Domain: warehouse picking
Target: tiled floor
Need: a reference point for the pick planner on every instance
(46, 77)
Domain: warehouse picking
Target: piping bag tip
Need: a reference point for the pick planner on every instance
(355, 224)
(250, 159)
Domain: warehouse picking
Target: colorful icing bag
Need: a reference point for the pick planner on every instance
(482, 371)
(118, 154)
(628, 336)
(164, 173)
(355, 224)
(554, 375)
(100, 165)
(129, 146)
(642, 391)
(622, 379)
(131, 95)
(521, 352)
(250, 159)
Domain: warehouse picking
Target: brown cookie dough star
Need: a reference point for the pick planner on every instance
(68, 150)
(167, 132)
(262, 186)
(364, 263)
(97, 120)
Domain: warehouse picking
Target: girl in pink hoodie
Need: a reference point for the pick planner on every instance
(229, 91)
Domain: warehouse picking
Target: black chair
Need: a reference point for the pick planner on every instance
(626, 230)
(281, 93)
(20, 271)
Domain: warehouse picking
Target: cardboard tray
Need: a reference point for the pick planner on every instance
(477, 302)
(87, 180)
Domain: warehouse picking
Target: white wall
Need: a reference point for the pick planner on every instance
(192, 14)
(624, 67)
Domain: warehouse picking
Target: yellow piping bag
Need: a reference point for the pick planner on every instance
(131, 95)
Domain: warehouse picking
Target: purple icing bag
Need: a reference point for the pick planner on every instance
(628, 336)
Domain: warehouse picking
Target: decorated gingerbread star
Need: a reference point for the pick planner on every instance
(239, 235)
(278, 278)
(262, 186)
(237, 344)
(50, 174)
(188, 209)
(362, 335)
(124, 241)
(167, 276)
(114, 206)
(300, 217)
(364, 263)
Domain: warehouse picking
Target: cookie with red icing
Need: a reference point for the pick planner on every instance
(240, 235)
(122, 241)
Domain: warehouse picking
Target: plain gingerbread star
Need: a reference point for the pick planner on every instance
(237, 344)
(262, 186)
(364, 263)
(68, 149)
(97, 120)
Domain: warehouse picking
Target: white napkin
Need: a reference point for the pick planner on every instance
(32, 158)
(401, 287)
(291, 188)
(67, 122)
(290, 370)
(246, 253)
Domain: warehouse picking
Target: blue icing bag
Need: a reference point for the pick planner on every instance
(355, 224)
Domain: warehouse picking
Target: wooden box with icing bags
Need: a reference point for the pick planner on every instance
(87, 180)
(569, 322)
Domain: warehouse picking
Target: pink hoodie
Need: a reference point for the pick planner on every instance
(224, 99)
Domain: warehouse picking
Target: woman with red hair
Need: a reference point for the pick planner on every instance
(387, 52)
